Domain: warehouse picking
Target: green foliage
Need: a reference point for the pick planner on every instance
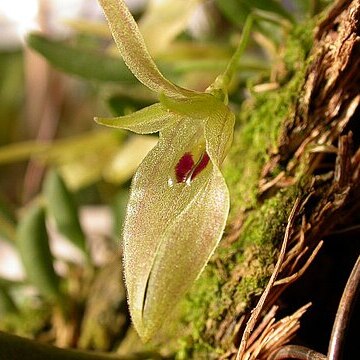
(11, 94)
(33, 245)
(21, 151)
(90, 65)
(27, 320)
(62, 207)
(7, 222)
(238, 10)
(17, 348)
(7, 305)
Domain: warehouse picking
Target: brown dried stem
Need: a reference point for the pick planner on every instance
(343, 314)
(257, 310)
(296, 352)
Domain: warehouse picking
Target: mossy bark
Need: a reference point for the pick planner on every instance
(299, 141)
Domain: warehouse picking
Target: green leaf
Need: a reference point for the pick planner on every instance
(163, 21)
(7, 229)
(34, 250)
(12, 94)
(7, 304)
(62, 150)
(21, 151)
(170, 226)
(90, 65)
(7, 222)
(17, 348)
(133, 50)
(63, 208)
(238, 10)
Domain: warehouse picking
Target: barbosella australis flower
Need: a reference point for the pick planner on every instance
(179, 200)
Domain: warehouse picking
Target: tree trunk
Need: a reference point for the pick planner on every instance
(301, 142)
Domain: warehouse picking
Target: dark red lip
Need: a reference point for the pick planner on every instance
(186, 167)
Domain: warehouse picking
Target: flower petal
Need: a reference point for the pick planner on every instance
(219, 131)
(171, 228)
(145, 121)
(217, 118)
(133, 49)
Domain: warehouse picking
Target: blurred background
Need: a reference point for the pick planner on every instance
(64, 180)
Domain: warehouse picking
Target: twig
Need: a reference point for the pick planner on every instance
(299, 273)
(345, 230)
(256, 311)
(296, 352)
(284, 331)
(343, 314)
(266, 320)
(273, 334)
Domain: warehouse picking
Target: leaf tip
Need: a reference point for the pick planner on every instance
(100, 121)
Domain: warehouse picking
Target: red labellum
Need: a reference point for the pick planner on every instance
(183, 167)
(186, 167)
(201, 165)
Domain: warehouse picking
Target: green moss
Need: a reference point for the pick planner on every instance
(260, 122)
(263, 226)
(202, 298)
(240, 271)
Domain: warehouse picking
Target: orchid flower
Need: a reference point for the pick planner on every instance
(179, 200)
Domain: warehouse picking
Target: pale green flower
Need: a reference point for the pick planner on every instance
(179, 200)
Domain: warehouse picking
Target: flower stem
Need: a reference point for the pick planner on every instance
(222, 82)
(233, 63)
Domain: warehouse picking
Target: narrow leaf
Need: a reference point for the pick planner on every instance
(133, 50)
(7, 228)
(18, 348)
(34, 250)
(7, 222)
(63, 208)
(21, 151)
(238, 10)
(7, 304)
(87, 64)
